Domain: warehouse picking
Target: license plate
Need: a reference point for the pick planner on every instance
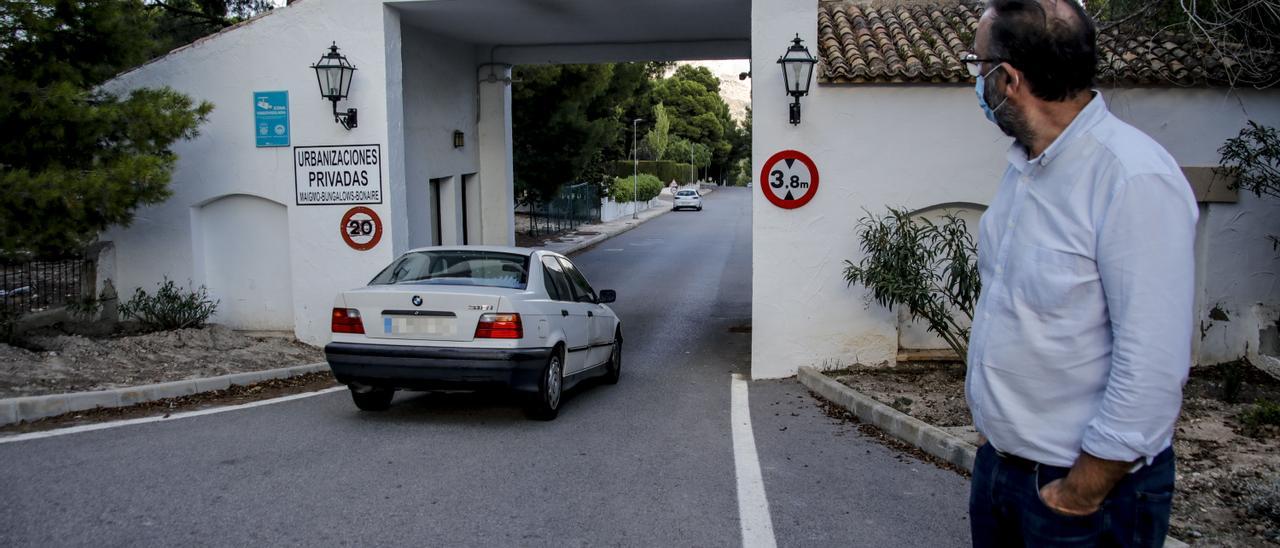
(419, 326)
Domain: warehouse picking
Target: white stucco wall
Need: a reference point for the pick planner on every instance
(1238, 271)
(909, 146)
(611, 210)
(439, 97)
(273, 52)
(874, 146)
(918, 145)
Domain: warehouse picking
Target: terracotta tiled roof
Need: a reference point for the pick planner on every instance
(924, 42)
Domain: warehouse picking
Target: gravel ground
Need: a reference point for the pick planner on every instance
(53, 363)
(931, 392)
(1228, 473)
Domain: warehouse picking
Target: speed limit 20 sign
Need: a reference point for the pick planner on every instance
(789, 179)
(361, 228)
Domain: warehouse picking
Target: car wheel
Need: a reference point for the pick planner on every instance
(615, 361)
(546, 404)
(699, 208)
(375, 399)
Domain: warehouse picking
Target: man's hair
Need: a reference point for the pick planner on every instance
(1058, 55)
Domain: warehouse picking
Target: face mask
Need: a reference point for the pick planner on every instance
(980, 87)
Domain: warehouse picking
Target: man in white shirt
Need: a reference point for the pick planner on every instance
(1081, 339)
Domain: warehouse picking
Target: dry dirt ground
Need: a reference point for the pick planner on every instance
(52, 362)
(1228, 468)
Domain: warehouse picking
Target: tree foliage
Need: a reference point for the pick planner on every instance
(657, 139)
(699, 115)
(741, 171)
(930, 268)
(180, 22)
(75, 159)
(569, 119)
(682, 150)
(566, 118)
(643, 188)
(1252, 159)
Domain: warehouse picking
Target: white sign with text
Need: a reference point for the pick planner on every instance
(338, 175)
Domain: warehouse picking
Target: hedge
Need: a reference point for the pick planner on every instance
(664, 170)
(647, 187)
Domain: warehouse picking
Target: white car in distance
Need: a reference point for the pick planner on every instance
(470, 317)
(687, 198)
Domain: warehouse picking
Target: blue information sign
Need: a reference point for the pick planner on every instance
(271, 118)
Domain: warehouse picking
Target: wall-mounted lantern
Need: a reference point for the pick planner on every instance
(458, 139)
(333, 73)
(797, 70)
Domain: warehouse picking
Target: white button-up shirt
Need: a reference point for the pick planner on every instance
(1082, 335)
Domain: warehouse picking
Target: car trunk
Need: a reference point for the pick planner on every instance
(445, 313)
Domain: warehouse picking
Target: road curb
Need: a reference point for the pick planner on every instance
(924, 436)
(27, 408)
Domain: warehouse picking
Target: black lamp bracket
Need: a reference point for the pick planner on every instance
(348, 119)
(795, 110)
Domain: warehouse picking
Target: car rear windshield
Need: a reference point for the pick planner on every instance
(686, 193)
(457, 267)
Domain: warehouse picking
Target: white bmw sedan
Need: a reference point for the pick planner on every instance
(469, 317)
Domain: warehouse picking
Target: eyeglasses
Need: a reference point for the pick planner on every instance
(974, 63)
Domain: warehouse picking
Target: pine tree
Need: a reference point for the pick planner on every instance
(75, 159)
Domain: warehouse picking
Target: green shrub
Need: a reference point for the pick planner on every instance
(646, 187)
(929, 267)
(1262, 414)
(170, 308)
(664, 170)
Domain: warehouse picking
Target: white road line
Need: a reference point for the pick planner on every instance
(175, 416)
(753, 505)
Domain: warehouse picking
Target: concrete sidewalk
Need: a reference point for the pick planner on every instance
(586, 236)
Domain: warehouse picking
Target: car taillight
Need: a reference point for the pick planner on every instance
(347, 320)
(499, 326)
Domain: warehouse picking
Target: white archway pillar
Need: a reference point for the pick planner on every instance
(497, 172)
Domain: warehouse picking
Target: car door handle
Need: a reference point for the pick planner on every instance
(591, 314)
(564, 312)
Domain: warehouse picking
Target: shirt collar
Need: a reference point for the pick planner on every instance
(1088, 117)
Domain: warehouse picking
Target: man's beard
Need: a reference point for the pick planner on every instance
(1014, 124)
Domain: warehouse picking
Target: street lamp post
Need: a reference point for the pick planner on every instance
(635, 168)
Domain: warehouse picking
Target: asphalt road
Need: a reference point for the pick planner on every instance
(648, 462)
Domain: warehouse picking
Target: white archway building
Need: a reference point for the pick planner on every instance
(892, 120)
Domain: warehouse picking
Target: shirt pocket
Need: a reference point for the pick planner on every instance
(1050, 282)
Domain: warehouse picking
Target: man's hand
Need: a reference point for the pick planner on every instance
(1058, 499)
(1081, 493)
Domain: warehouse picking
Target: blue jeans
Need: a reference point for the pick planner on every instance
(1005, 508)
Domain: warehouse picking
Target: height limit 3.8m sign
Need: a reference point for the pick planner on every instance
(789, 179)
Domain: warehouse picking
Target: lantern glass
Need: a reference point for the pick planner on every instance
(800, 71)
(331, 82)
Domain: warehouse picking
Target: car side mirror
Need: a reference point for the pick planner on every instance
(607, 296)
